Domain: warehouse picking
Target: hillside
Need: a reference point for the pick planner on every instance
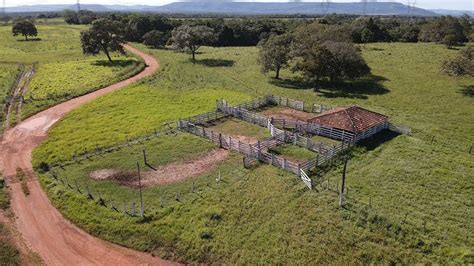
(242, 8)
(256, 8)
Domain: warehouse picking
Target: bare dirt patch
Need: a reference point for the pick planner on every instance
(165, 174)
(245, 139)
(287, 113)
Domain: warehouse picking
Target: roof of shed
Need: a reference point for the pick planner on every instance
(354, 119)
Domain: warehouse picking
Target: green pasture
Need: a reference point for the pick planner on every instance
(62, 71)
(293, 153)
(238, 128)
(419, 186)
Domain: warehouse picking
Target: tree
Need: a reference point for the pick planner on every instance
(275, 53)
(25, 28)
(461, 65)
(191, 38)
(324, 51)
(155, 39)
(105, 35)
(450, 40)
(447, 30)
(70, 17)
(81, 17)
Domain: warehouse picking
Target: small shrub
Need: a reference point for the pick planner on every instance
(9, 255)
(461, 65)
(207, 235)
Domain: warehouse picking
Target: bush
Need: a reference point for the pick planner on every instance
(461, 65)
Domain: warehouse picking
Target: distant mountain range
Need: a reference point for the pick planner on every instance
(249, 8)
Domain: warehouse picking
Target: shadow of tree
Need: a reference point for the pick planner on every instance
(360, 88)
(29, 40)
(468, 91)
(215, 62)
(115, 63)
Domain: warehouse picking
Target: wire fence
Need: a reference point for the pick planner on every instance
(131, 205)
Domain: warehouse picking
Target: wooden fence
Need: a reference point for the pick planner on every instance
(242, 113)
(257, 151)
(306, 179)
(298, 105)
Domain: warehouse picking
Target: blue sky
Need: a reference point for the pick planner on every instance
(431, 4)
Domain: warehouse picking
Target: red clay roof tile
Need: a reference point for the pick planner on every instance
(354, 119)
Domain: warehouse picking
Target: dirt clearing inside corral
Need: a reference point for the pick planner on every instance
(287, 113)
(166, 174)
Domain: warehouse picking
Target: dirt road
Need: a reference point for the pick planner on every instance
(44, 230)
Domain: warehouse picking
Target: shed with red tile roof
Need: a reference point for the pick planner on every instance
(352, 119)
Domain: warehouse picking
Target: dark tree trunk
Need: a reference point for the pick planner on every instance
(26, 37)
(277, 75)
(194, 55)
(106, 51)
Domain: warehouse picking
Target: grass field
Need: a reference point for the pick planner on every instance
(240, 129)
(62, 71)
(9, 255)
(420, 188)
(293, 153)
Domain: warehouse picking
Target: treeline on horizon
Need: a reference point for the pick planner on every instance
(249, 31)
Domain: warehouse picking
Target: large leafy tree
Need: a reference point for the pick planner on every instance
(25, 28)
(104, 36)
(274, 53)
(447, 30)
(155, 38)
(191, 38)
(323, 51)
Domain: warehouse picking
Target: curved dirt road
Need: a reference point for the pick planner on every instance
(44, 230)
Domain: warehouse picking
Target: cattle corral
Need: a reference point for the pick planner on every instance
(293, 126)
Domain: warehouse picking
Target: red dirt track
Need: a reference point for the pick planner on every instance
(45, 231)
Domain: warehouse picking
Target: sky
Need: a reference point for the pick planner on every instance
(429, 4)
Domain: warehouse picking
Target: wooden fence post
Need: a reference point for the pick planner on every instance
(258, 147)
(142, 209)
(220, 140)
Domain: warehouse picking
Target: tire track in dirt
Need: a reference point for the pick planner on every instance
(43, 228)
